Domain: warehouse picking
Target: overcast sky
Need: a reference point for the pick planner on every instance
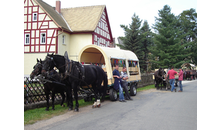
(121, 11)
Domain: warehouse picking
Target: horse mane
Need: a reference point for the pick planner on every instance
(158, 72)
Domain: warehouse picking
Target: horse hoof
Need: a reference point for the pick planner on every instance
(70, 109)
(99, 105)
(47, 109)
(52, 109)
(93, 106)
(63, 105)
(76, 110)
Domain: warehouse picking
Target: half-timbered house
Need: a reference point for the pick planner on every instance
(50, 29)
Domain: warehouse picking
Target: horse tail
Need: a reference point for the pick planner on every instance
(105, 85)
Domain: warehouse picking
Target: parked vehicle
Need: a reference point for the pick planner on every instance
(106, 58)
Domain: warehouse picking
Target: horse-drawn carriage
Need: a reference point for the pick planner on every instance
(92, 76)
(160, 81)
(106, 58)
(189, 72)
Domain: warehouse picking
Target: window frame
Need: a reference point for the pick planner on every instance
(25, 41)
(42, 39)
(63, 39)
(33, 17)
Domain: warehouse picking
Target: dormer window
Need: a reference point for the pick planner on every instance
(34, 16)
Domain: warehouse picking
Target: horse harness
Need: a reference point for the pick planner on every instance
(80, 68)
(69, 64)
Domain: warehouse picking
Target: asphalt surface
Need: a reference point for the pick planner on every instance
(149, 110)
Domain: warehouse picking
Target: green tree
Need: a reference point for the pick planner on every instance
(167, 49)
(188, 25)
(146, 42)
(132, 38)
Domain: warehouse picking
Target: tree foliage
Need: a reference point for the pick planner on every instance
(132, 36)
(167, 46)
(173, 43)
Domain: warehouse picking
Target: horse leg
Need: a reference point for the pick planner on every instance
(99, 92)
(53, 95)
(157, 85)
(47, 98)
(70, 99)
(95, 92)
(75, 89)
(103, 91)
(63, 98)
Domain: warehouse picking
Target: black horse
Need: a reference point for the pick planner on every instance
(78, 75)
(159, 76)
(48, 86)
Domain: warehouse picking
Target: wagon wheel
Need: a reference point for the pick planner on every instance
(133, 90)
(113, 94)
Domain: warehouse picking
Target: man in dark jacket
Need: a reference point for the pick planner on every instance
(117, 83)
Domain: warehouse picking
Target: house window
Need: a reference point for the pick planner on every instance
(34, 16)
(27, 39)
(43, 38)
(63, 39)
(98, 42)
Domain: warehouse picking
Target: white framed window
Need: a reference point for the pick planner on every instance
(34, 17)
(98, 42)
(95, 37)
(63, 39)
(43, 38)
(27, 39)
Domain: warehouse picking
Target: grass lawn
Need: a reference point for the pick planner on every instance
(34, 115)
(146, 88)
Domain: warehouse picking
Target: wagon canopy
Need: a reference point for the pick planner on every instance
(102, 55)
(188, 65)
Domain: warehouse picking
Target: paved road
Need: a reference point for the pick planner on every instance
(150, 110)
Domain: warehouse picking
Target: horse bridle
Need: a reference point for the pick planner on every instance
(67, 72)
(38, 70)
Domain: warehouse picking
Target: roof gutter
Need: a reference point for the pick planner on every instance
(59, 33)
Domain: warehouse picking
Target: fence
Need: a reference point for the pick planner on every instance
(34, 91)
(34, 95)
(146, 79)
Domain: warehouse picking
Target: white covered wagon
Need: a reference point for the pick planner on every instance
(106, 58)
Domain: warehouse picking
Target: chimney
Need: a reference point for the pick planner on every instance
(58, 6)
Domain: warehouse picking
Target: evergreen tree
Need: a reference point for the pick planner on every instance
(167, 49)
(188, 25)
(132, 38)
(146, 42)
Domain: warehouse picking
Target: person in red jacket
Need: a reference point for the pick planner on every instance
(172, 74)
(180, 80)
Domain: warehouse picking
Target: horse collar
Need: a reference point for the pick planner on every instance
(81, 71)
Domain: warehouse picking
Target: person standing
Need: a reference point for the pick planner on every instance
(117, 83)
(180, 80)
(125, 83)
(171, 74)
